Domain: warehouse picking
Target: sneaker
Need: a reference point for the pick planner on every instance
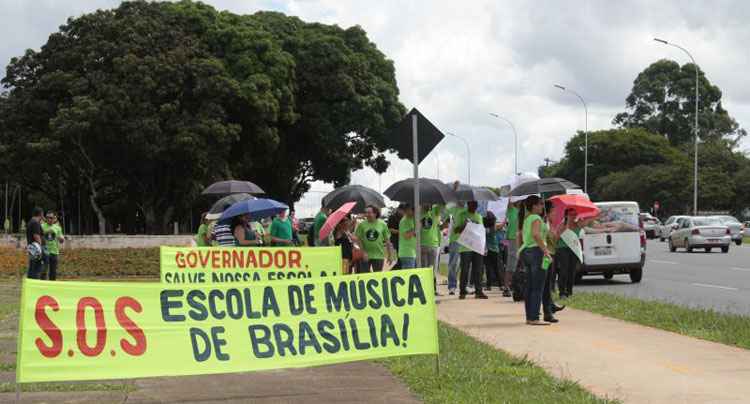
(452, 292)
(506, 293)
(556, 308)
(462, 296)
(481, 296)
(551, 319)
(536, 322)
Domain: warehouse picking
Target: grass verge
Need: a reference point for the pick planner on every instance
(66, 387)
(474, 372)
(706, 324)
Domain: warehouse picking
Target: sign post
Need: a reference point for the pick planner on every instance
(417, 206)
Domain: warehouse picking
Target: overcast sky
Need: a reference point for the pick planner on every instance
(457, 61)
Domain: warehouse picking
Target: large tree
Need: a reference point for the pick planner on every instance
(663, 101)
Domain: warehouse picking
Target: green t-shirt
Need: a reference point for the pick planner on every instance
(512, 217)
(320, 220)
(200, 238)
(528, 238)
(561, 242)
(455, 212)
(51, 234)
(461, 219)
(407, 247)
(430, 235)
(373, 237)
(281, 229)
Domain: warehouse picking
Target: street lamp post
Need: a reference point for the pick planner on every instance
(585, 135)
(468, 154)
(515, 140)
(695, 127)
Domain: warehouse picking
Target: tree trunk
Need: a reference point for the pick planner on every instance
(99, 213)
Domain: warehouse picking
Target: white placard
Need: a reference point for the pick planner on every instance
(473, 237)
(498, 208)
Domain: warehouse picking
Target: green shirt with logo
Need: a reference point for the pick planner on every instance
(373, 236)
(430, 235)
(407, 247)
(281, 229)
(51, 234)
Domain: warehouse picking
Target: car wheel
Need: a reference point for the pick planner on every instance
(725, 249)
(687, 246)
(708, 249)
(738, 242)
(636, 275)
(608, 276)
(671, 246)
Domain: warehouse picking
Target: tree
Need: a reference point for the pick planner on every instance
(663, 101)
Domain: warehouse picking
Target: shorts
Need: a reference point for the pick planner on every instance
(512, 263)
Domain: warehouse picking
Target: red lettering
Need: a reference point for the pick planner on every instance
(101, 329)
(180, 259)
(280, 258)
(266, 258)
(295, 258)
(49, 328)
(203, 257)
(226, 259)
(238, 259)
(251, 261)
(215, 259)
(192, 260)
(130, 326)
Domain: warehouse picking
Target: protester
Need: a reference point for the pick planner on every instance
(566, 259)
(511, 234)
(260, 232)
(533, 253)
(349, 243)
(407, 240)
(53, 237)
(35, 243)
(222, 233)
(430, 238)
(453, 247)
(471, 261)
(244, 234)
(282, 231)
(295, 228)
(320, 220)
(202, 237)
(374, 236)
(491, 258)
(393, 222)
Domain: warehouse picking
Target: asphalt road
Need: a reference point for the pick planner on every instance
(708, 280)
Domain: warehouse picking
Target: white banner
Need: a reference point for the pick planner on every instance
(473, 237)
(498, 208)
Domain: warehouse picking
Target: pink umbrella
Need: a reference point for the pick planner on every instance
(580, 203)
(335, 218)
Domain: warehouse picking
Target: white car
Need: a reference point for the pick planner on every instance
(700, 232)
(651, 225)
(735, 227)
(669, 226)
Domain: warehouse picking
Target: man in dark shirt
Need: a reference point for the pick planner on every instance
(393, 222)
(34, 235)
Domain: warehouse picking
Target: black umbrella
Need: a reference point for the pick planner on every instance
(543, 186)
(430, 191)
(466, 193)
(222, 204)
(353, 193)
(233, 187)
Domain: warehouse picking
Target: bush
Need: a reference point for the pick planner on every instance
(87, 262)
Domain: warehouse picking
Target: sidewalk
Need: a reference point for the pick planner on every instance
(609, 357)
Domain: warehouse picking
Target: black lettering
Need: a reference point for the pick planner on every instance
(344, 335)
(337, 300)
(372, 290)
(415, 290)
(269, 302)
(387, 331)
(295, 300)
(218, 343)
(196, 300)
(362, 346)
(249, 305)
(258, 340)
(310, 299)
(212, 296)
(331, 344)
(373, 332)
(167, 305)
(357, 294)
(200, 353)
(286, 341)
(394, 291)
(307, 338)
(234, 304)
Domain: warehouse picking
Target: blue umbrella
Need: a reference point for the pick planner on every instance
(257, 208)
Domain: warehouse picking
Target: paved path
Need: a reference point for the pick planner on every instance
(611, 358)
(707, 280)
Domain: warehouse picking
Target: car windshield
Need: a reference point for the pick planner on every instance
(706, 221)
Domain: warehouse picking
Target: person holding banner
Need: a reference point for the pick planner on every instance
(511, 234)
(430, 239)
(536, 258)
(453, 247)
(471, 261)
(491, 258)
(244, 235)
(407, 239)
(374, 236)
(202, 238)
(281, 230)
(568, 255)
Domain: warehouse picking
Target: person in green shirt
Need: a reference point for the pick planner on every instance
(492, 256)
(281, 230)
(201, 238)
(374, 236)
(407, 240)
(430, 234)
(320, 220)
(533, 252)
(471, 261)
(453, 246)
(511, 234)
(566, 261)
(53, 237)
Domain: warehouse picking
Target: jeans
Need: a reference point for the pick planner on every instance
(35, 269)
(535, 282)
(407, 262)
(512, 256)
(471, 263)
(371, 265)
(453, 257)
(491, 262)
(50, 267)
(567, 264)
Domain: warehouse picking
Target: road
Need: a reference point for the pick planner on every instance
(707, 280)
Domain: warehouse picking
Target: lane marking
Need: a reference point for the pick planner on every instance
(740, 269)
(705, 285)
(664, 262)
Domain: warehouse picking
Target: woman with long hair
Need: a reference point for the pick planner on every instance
(491, 259)
(244, 235)
(566, 259)
(536, 258)
(343, 237)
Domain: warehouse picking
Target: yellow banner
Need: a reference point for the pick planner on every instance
(202, 265)
(93, 330)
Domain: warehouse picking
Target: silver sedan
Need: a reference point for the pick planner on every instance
(735, 227)
(700, 232)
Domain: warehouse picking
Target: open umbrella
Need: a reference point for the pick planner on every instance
(363, 196)
(257, 208)
(233, 187)
(222, 204)
(580, 203)
(543, 186)
(335, 218)
(466, 193)
(430, 191)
